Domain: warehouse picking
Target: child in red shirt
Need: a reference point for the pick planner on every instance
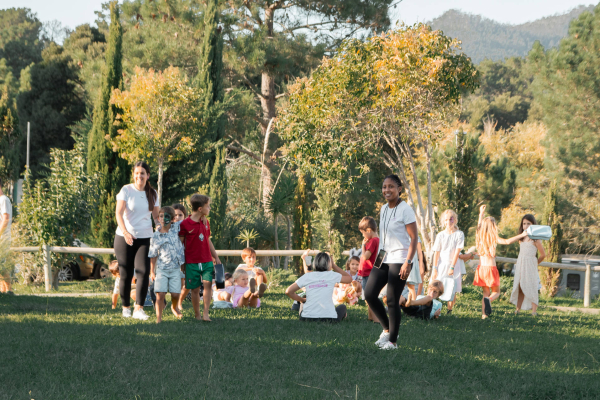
(194, 233)
(370, 249)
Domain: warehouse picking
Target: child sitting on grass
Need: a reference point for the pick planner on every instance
(423, 307)
(221, 294)
(349, 292)
(254, 272)
(240, 294)
(166, 257)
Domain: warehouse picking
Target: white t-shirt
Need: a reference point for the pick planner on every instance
(393, 236)
(447, 244)
(319, 291)
(5, 208)
(137, 217)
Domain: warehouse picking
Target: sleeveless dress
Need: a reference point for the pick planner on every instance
(526, 275)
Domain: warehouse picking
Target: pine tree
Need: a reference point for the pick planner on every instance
(302, 227)
(550, 276)
(101, 158)
(209, 80)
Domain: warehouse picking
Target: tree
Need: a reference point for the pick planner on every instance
(58, 208)
(302, 226)
(10, 134)
(550, 277)
(390, 95)
(20, 43)
(160, 119)
(101, 158)
(48, 100)
(210, 82)
(566, 86)
(279, 204)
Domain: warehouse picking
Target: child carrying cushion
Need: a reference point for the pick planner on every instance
(167, 256)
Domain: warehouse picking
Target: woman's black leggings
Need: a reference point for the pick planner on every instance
(388, 274)
(133, 259)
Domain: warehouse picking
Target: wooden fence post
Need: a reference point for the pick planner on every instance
(47, 267)
(587, 292)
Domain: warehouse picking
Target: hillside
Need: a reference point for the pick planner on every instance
(484, 38)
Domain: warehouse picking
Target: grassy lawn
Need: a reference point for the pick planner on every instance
(78, 348)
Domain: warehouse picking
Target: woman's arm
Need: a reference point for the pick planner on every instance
(538, 244)
(411, 229)
(155, 211)
(346, 278)
(421, 258)
(291, 293)
(120, 211)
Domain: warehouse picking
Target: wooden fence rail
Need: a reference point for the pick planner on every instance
(237, 253)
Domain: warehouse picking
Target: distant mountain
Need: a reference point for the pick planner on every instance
(484, 38)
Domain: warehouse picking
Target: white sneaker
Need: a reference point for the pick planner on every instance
(383, 338)
(126, 312)
(389, 346)
(140, 314)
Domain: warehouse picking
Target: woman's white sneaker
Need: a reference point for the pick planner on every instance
(126, 312)
(140, 314)
(389, 346)
(383, 338)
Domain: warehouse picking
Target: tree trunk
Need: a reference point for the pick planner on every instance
(265, 173)
(247, 243)
(276, 258)
(160, 180)
(286, 262)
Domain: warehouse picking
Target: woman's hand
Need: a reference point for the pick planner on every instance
(129, 238)
(451, 271)
(405, 271)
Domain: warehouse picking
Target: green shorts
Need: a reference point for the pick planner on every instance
(196, 273)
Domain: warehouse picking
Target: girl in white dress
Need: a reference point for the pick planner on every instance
(525, 285)
(447, 247)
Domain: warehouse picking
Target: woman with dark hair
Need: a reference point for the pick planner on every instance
(398, 238)
(318, 303)
(137, 202)
(525, 285)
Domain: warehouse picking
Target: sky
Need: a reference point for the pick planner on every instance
(76, 12)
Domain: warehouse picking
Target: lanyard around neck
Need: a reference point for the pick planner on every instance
(386, 226)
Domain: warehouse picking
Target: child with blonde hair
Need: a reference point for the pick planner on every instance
(487, 275)
(349, 292)
(423, 307)
(447, 247)
(255, 272)
(240, 294)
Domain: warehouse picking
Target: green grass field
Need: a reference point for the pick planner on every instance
(78, 348)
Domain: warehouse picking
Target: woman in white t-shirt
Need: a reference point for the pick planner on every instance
(137, 203)
(398, 238)
(318, 303)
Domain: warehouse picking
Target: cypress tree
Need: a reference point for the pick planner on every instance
(550, 276)
(302, 226)
(101, 158)
(209, 80)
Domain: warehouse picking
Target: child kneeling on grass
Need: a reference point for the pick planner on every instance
(166, 257)
(318, 304)
(240, 294)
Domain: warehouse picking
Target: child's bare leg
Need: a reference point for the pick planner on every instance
(184, 293)
(533, 309)
(402, 300)
(223, 296)
(520, 299)
(160, 305)
(207, 297)
(253, 301)
(411, 289)
(245, 299)
(115, 298)
(259, 279)
(174, 302)
(495, 293)
(486, 293)
(420, 289)
(196, 302)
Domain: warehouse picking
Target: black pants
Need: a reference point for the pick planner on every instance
(340, 310)
(422, 312)
(388, 274)
(133, 259)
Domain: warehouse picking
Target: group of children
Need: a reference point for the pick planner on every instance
(183, 261)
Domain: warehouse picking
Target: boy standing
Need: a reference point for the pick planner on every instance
(194, 232)
(370, 249)
(166, 254)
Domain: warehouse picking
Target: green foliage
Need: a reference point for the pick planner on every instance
(10, 134)
(20, 42)
(49, 101)
(552, 218)
(566, 86)
(279, 203)
(101, 158)
(218, 195)
(483, 38)
(497, 188)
